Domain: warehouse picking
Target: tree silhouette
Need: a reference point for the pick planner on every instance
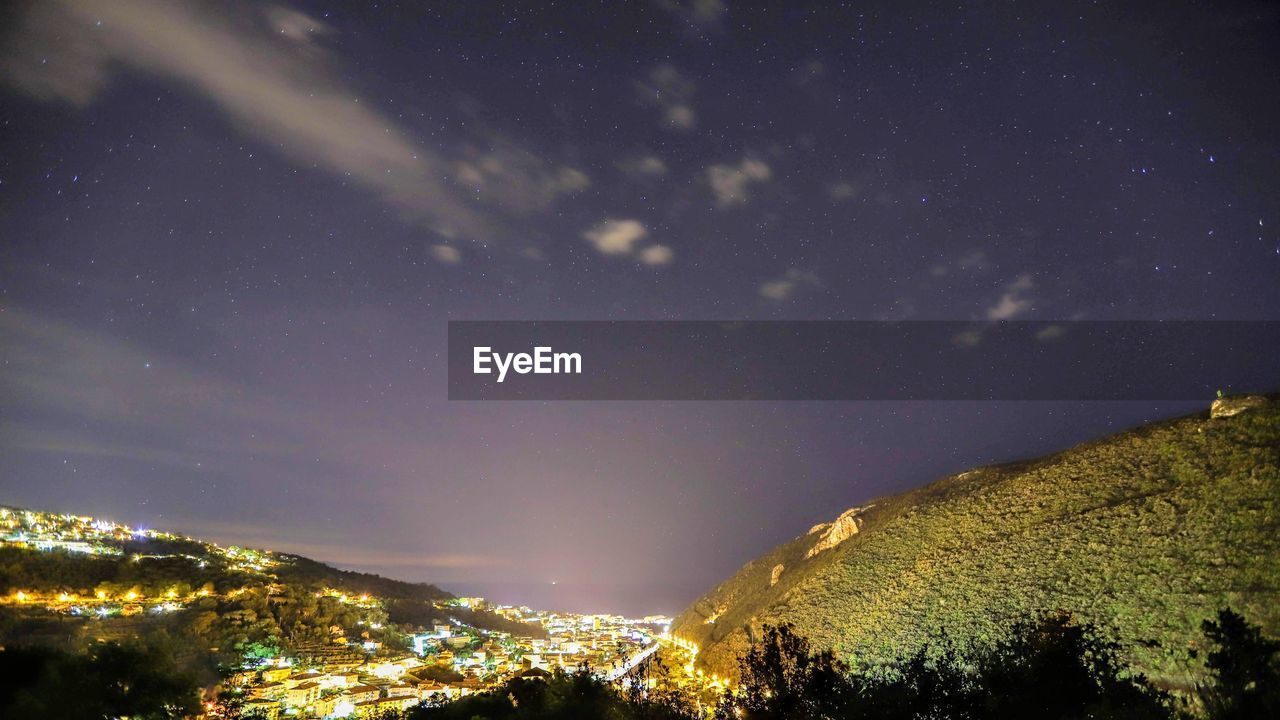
(1053, 668)
(110, 681)
(782, 678)
(1244, 669)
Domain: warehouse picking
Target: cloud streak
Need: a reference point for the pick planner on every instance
(84, 396)
(267, 71)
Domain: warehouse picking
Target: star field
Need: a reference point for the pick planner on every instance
(231, 236)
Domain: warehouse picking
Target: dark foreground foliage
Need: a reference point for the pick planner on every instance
(1048, 668)
(1244, 668)
(109, 681)
(563, 696)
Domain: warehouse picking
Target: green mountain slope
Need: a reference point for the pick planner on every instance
(1145, 533)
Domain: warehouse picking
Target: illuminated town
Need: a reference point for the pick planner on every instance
(360, 676)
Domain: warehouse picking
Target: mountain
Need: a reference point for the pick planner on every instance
(81, 552)
(1145, 534)
(67, 580)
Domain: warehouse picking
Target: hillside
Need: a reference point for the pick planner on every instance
(1145, 533)
(80, 553)
(68, 580)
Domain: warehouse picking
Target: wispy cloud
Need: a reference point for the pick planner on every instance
(844, 190)
(266, 68)
(657, 255)
(53, 367)
(647, 166)
(729, 182)
(784, 287)
(1050, 332)
(516, 180)
(672, 92)
(447, 254)
(973, 261)
(121, 402)
(68, 443)
(616, 237)
(698, 15)
(1013, 301)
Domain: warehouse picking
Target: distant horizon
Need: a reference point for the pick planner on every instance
(632, 599)
(629, 599)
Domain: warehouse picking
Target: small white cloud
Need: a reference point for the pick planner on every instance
(446, 254)
(296, 26)
(976, 260)
(647, 166)
(516, 179)
(709, 11)
(729, 182)
(699, 17)
(682, 117)
(672, 92)
(622, 238)
(702, 13)
(1014, 301)
(1051, 332)
(776, 289)
(785, 286)
(655, 255)
(967, 338)
(1008, 307)
(844, 191)
(616, 237)
(973, 261)
(808, 72)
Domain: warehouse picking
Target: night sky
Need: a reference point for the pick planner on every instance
(231, 235)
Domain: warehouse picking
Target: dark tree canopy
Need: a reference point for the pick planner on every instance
(1244, 668)
(109, 681)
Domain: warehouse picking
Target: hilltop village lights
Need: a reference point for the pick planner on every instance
(352, 674)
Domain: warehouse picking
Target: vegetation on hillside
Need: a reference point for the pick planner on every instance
(153, 566)
(1146, 534)
(228, 605)
(1048, 667)
(304, 571)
